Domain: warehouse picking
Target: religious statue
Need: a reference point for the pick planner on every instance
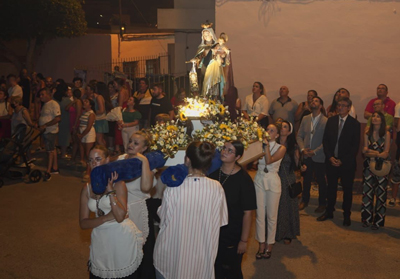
(213, 59)
(204, 54)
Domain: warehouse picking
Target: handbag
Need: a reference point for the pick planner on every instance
(295, 189)
(379, 166)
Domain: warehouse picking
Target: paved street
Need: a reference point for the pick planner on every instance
(41, 238)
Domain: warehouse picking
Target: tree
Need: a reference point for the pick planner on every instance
(37, 21)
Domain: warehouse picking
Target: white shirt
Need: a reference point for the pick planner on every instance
(191, 216)
(397, 111)
(260, 106)
(50, 110)
(4, 108)
(15, 91)
(314, 123)
(353, 112)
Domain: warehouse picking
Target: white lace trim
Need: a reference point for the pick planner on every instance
(144, 213)
(126, 271)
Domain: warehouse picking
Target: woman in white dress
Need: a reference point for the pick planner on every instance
(138, 193)
(191, 216)
(116, 243)
(268, 191)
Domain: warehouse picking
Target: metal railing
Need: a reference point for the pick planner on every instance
(156, 68)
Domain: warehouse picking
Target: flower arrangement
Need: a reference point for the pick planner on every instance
(218, 133)
(168, 138)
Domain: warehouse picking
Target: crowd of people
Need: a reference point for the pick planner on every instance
(204, 223)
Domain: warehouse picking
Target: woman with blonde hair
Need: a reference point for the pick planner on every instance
(138, 193)
(116, 243)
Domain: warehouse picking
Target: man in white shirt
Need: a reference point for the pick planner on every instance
(50, 115)
(15, 89)
(395, 178)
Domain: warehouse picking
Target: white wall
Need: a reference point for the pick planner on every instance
(185, 49)
(320, 45)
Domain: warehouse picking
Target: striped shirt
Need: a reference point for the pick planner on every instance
(85, 118)
(191, 217)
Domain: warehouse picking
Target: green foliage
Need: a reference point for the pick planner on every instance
(42, 19)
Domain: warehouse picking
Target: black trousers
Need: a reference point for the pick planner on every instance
(146, 269)
(347, 179)
(319, 170)
(228, 264)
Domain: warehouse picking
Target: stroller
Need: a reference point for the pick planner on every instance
(17, 147)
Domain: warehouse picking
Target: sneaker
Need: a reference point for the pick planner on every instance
(53, 171)
(392, 202)
(47, 176)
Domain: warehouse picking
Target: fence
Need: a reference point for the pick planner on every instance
(156, 68)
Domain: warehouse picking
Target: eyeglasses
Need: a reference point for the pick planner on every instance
(97, 160)
(229, 150)
(341, 105)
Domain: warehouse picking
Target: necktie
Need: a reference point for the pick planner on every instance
(341, 122)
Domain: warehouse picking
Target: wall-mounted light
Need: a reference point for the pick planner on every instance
(122, 30)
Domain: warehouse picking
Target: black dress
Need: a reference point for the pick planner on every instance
(288, 224)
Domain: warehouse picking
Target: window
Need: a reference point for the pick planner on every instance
(131, 69)
(153, 66)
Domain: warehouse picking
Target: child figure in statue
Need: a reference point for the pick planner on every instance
(214, 78)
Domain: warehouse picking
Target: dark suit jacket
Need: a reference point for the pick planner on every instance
(349, 141)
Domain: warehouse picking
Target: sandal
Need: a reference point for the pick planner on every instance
(259, 255)
(267, 254)
(374, 227)
(260, 252)
(365, 224)
(287, 241)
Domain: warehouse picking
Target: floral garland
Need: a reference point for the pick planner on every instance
(168, 138)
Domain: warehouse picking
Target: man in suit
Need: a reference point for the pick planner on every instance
(309, 139)
(340, 142)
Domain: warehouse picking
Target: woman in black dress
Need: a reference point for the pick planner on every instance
(288, 225)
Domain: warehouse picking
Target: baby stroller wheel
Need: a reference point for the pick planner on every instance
(35, 176)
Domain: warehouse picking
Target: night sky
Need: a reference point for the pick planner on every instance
(99, 13)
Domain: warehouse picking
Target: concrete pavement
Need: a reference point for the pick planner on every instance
(40, 238)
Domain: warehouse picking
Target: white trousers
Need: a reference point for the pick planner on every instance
(127, 133)
(267, 204)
